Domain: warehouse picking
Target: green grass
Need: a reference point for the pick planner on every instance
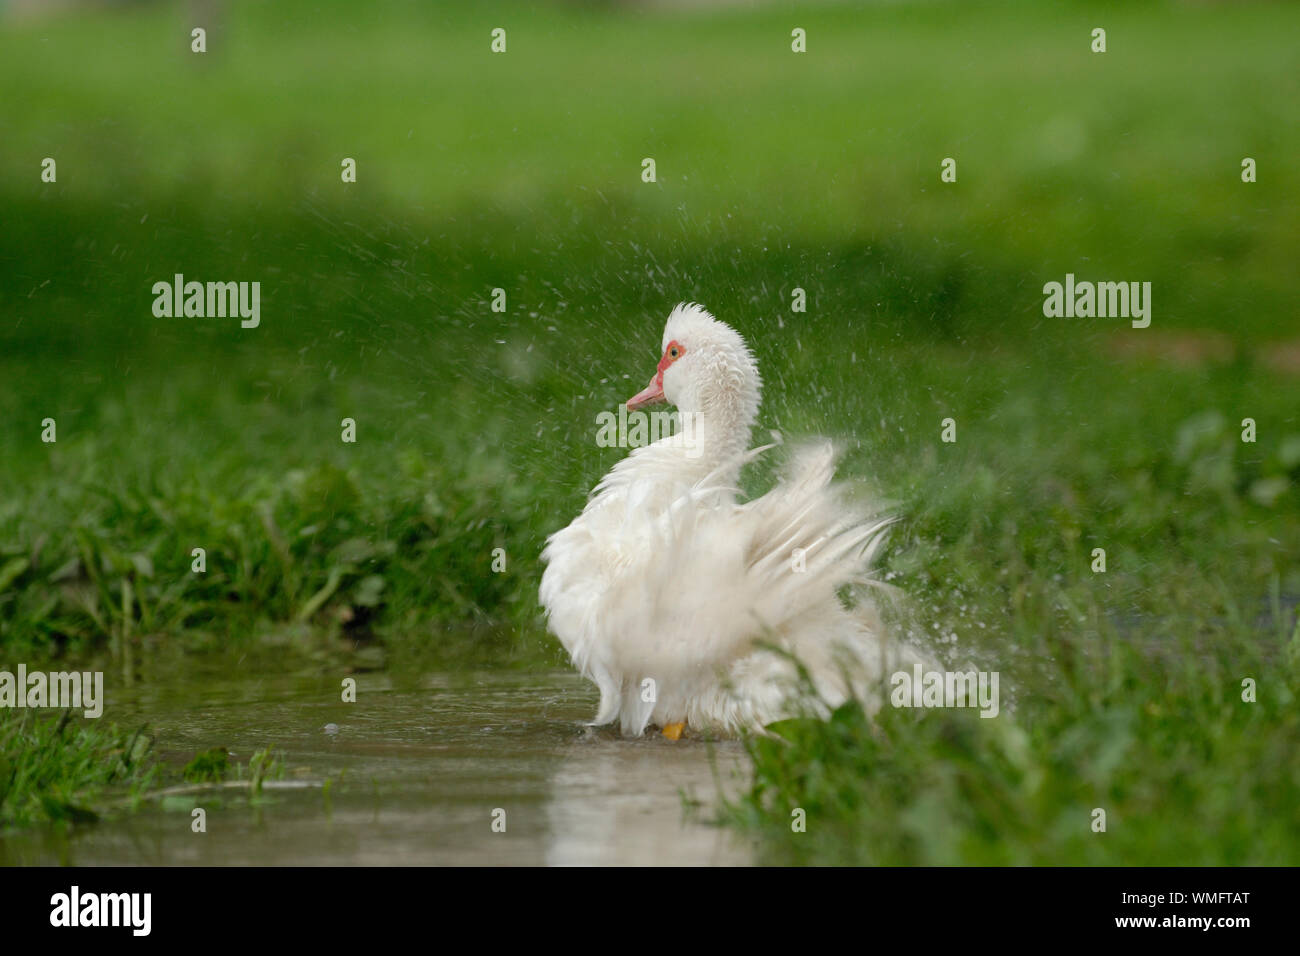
(66, 771)
(1189, 765)
(60, 770)
(476, 429)
(1127, 160)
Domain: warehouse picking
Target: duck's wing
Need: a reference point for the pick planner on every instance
(682, 596)
(809, 537)
(719, 578)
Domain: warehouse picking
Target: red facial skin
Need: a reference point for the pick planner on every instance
(653, 393)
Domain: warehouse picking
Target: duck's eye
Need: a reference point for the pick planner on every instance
(674, 352)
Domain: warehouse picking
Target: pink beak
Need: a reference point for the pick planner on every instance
(652, 394)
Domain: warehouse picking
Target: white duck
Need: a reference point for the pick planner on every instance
(668, 592)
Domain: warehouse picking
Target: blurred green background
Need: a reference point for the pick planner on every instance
(775, 170)
(522, 171)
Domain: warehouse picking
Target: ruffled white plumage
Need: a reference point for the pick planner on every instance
(671, 593)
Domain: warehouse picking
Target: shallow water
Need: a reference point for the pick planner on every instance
(416, 771)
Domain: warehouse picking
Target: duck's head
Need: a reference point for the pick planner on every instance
(706, 369)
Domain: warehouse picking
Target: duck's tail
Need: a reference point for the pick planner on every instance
(729, 579)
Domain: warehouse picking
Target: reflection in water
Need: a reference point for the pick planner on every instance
(615, 801)
(415, 774)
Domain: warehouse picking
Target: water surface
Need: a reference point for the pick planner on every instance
(416, 769)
